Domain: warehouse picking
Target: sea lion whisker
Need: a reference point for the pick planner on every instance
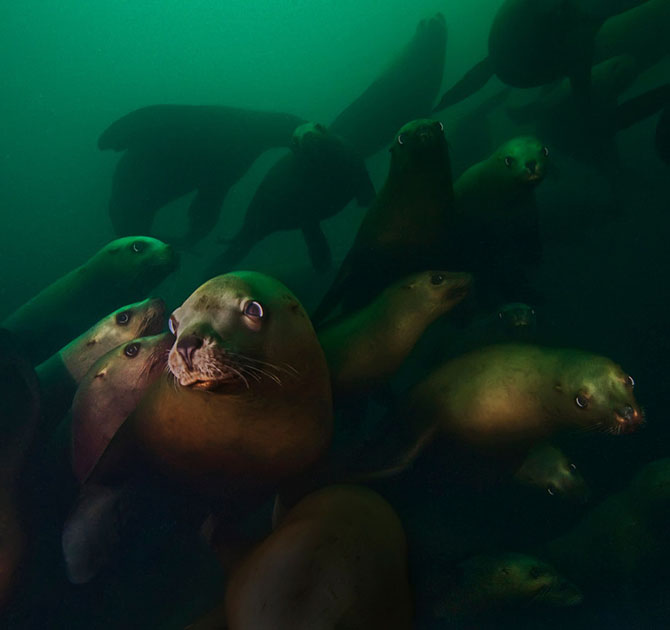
(246, 382)
(288, 368)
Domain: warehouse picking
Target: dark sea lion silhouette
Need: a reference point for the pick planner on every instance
(172, 150)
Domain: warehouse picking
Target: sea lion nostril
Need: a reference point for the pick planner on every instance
(186, 346)
(531, 165)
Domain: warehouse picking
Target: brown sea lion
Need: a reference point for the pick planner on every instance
(109, 393)
(171, 150)
(547, 468)
(510, 396)
(493, 584)
(62, 372)
(123, 271)
(366, 348)
(406, 228)
(247, 400)
(338, 559)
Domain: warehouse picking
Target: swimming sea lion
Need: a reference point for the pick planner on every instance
(547, 468)
(663, 135)
(171, 150)
(247, 401)
(366, 348)
(123, 271)
(62, 372)
(496, 232)
(313, 182)
(532, 43)
(404, 91)
(490, 585)
(406, 228)
(338, 559)
(109, 393)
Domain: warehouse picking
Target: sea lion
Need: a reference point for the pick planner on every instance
(493, 584)
(496, 231)
(123, 271)
(19, 418)
(313, 182)
(505, 398)
(547, 468)
(621, 544)
(60, 375)
(247, 400)
(662, 140)
(171, 150)
(338, 559)
(366, 348)
(406, 228)
(404, 91)
(532, 43)
(109, 393)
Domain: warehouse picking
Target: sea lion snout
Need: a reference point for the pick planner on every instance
(187, 345)
(629, 418)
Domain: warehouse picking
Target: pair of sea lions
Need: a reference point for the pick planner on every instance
(123, 271)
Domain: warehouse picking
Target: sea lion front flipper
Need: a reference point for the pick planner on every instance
(203, 213)
(317, 247)
(473, 80)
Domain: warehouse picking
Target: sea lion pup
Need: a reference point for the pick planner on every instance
(404, 91)
(505, 398)
(620, 545)
(532, 43)
(496, 231)
(366, 348)
(662, 139)
(547, 468)
(171, 150)
(247, 401)
(106, 396)
(123, 271)
(19, 418)
(338, 559)
(313, 182)
(406, 228)
(494, 584)
(60, 375)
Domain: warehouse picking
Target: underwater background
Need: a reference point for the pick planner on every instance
(69, 69)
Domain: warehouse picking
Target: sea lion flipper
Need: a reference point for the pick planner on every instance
(473, 80)
(317, 246)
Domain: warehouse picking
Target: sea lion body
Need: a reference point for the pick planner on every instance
(247, 402)
(313, 182)
(366, 348)
(406, 90)
(338, 559)
(406, 228)
(123, 271)
(171, 150)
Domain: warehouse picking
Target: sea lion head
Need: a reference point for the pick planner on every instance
(522, 160)
(238, 329)
(308, 137)
(437, 291)
(597, 393)
(139, 259)
(512, 579)
(419, 141)
(140, 319)
(516, 318)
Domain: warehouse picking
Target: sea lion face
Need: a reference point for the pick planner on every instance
(523, 160)
(135, 254)
(129, 322)
(516, 317)
(231, 328)
(438, 290)
(599, 394)
(513, 579)
(308, 137)
(420, 140)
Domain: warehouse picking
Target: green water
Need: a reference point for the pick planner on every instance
(69, 69)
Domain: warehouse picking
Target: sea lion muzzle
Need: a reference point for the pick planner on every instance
(629, 418)
(187, 345)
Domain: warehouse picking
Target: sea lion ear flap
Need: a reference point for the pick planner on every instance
(558, 387)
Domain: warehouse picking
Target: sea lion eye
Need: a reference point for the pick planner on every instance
(138, 246)
(581, 401)
(441, 126)
(573, 467)
(400, 139)
(172, 325)
(509, 160)
(545, 151)
(253, 310)
(437, 278)
(123, 318)
(550, 490)
(131, 350)
(631, 382)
